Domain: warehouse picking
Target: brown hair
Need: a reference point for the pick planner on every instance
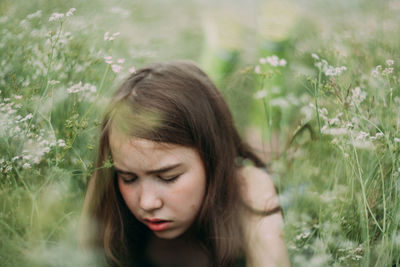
(176, 103)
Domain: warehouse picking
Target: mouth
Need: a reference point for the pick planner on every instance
(157, 225)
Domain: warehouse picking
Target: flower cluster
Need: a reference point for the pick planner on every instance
(58, 16)
(117, 67)
(383, 71)
(108, 37)
(35, 143)
(85, 91)
(327, 69)
(273, 61)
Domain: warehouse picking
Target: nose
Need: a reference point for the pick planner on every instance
(149, 198)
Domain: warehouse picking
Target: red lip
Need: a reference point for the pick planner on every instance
(157, 224)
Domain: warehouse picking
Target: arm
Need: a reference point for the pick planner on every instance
(263, 233)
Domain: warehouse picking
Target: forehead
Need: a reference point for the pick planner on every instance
(136, 153)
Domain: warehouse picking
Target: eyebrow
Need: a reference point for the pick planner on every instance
(150, 172)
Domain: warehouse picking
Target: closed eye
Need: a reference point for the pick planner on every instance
(127, 179)
(169, 179)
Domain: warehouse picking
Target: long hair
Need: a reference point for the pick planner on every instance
(175, 103)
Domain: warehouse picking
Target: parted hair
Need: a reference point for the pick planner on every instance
(176, 103)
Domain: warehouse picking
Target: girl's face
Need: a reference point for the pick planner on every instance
(163, 185)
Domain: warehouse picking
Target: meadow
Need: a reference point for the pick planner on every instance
(313, 85)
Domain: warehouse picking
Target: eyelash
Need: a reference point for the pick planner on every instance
(165, 180)
(170, 179)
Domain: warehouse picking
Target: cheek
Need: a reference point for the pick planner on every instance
(189, 195)
(128, 194)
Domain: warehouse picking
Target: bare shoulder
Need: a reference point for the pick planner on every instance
(265, 246)
(257, 189)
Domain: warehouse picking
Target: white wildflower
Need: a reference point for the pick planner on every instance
(273, 61)
(106, 36)
(132, 70)
(262, 61)
(26, 165)
(108, 59)
(121, 61)
(389, 62)
(257, 69)
(70, 12)
(387, 71)
(76, 88)
(362, 136)
(56, 16)
(315, 56)
(260, 94)
(18, 96)
(333, 131)
(334, 71)
(61, 143)
(358, 95)
(28, 117)
(116, 68)
(396, 140)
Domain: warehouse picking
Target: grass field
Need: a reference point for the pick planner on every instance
(314, 84)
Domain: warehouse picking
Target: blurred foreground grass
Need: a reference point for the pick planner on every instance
(313, 84)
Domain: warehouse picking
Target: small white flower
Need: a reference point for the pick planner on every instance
(18, 96)
(387, 71)
(116, 68)
(106, 37)
(260, 94)
(257, 69)
(61, 143)
(121, 60)
(76, 88)
(26, 166)
(28, 117)
(262, 61)
(374, 73)
(362, 135)
(389, 62)
(108, 57)
(70, 12)
(273, 60)
(282, 62)
(132, 70)
(315, 56)
(56, 16)
(396, 140)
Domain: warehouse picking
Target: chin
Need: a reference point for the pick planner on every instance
(168, 234)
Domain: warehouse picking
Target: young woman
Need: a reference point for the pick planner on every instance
(183, 188)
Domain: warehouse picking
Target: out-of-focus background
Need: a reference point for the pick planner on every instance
(313, 86)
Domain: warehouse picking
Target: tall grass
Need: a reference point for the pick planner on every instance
(319, 84)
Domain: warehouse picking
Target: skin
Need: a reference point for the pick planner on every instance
(175, 195)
